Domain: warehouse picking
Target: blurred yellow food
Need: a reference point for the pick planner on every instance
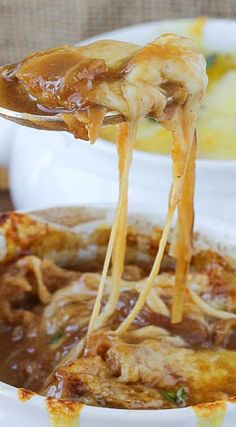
(217, 121)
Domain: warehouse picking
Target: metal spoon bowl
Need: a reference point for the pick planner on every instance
(52, 122)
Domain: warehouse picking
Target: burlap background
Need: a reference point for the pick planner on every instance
(26, 25)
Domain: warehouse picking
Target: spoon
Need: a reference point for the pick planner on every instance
(52, 122)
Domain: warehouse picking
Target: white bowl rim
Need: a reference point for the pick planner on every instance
(176, 414)
(106, 146)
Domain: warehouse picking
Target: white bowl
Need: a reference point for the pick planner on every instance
(48, 168)
(34, 412)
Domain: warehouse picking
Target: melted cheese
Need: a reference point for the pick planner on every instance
(183, 243)
(210, 310)
(166, 80)
(117, 227)
(210, 414)
(180, 119)
(118, 256)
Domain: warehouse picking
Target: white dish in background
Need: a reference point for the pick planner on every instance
(48, 168)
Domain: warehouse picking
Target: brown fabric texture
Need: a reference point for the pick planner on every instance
(26, 25)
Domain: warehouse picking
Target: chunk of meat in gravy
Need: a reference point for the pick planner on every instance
(224, 333)
(146, 367)
(65, 78)
(221, 275)
(89, 381)
(19, 292)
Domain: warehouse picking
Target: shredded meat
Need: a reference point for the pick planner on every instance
(224, 333)
(27, 280)
(55, 277)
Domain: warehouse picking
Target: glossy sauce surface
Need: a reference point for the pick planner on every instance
(63, 79)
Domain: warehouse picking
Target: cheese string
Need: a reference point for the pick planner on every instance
(118, 255)
(154, 272)
(118, 212)
(184, 154)
(181, 155)
(184, 238)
